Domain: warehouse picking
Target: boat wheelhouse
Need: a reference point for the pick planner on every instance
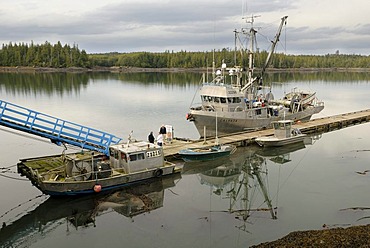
(284, 134)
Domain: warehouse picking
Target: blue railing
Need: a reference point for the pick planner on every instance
(57, 130)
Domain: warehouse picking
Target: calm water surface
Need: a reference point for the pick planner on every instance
(221, 204)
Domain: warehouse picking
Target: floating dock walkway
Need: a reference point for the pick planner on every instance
(320, 125)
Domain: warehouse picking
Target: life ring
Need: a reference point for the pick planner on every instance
(97, 188)
(189, 117)
(158, 173)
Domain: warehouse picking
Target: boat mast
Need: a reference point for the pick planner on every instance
(252, 41)
(252, 33)
(216, 138)
(235, 45)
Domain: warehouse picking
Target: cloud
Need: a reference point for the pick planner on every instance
(126, 26)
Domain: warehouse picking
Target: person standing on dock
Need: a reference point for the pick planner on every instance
(151, 138)
(163, 131)
(160, 139)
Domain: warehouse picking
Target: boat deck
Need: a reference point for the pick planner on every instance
(320, 125)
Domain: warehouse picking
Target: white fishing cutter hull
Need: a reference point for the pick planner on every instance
(233, 122)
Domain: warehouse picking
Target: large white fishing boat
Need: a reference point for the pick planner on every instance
(239, 100)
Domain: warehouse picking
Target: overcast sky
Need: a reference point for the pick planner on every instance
(313, 27)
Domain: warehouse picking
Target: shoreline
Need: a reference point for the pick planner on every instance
(354, 236)
(120, 69)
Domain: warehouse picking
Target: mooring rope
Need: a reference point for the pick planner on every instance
(20, 205)
(4, 170)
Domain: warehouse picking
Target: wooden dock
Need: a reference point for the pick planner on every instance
(320, 125)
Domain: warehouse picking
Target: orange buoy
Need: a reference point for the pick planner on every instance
(97, 188)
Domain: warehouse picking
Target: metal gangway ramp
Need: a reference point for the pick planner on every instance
(57, 130)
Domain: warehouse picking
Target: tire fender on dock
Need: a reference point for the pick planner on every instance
(158, 173)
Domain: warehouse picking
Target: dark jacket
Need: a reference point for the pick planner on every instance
(151, 138)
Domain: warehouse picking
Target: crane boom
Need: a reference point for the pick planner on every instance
(274, 42)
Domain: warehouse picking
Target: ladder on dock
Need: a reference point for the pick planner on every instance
(57, 130)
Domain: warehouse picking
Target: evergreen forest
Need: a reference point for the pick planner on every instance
(66, 56)
(44, 55)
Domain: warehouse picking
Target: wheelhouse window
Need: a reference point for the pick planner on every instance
(138, 156)
(281, 126)
(220, 99)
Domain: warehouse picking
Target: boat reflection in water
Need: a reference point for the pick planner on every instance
(82, 211)
(242, 179)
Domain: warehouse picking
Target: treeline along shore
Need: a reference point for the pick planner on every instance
(120, 69)
(49, 57)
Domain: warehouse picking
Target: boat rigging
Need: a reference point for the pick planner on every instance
(237, 100)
